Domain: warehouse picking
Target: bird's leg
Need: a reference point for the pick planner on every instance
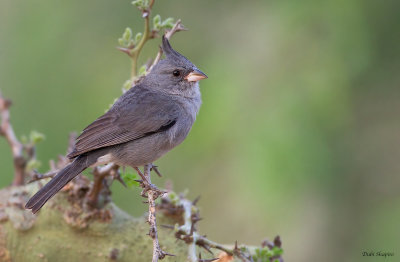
(140, 173)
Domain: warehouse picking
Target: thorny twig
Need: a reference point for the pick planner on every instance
(188, 231)
(152, 193)
(38, 176)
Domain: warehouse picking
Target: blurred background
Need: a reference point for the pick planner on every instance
(299, 132)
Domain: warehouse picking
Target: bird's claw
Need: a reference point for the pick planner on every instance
(155, 168)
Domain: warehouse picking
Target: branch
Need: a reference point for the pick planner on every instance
(99, 175)
(17, 147)
(188, 233)
(152, 194)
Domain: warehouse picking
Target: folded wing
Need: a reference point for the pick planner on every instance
(138, 113)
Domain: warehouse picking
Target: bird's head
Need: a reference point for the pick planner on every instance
(175, 74)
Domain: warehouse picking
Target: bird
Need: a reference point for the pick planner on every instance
(151, 118)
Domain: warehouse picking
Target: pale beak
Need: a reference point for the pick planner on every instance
(195, 75)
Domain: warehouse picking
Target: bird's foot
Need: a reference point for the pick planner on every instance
(150, 187)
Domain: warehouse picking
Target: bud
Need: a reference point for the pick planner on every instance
(157, 22)
(127, 34)
(121, 41)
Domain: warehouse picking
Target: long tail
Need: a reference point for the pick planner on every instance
(57, 183)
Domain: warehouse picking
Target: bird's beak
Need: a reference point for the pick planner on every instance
(195, 75)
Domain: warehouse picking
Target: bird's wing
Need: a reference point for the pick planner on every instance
(133, 116)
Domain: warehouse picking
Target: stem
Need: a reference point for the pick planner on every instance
(134, 53)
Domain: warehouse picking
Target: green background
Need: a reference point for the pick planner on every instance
(299, 130)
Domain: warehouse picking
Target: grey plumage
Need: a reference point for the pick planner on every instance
(143, 124)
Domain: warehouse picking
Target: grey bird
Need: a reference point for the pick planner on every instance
(146, 122)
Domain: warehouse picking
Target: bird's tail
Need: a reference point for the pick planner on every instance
(57, 183)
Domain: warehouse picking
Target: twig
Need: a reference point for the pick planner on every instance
(152, 194)
(187, 232)
(134, 53)
(187, 210)
(17, 147)
(38, 176)
(176, 28)
(99, 173)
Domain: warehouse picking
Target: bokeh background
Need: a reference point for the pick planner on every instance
(299, 133)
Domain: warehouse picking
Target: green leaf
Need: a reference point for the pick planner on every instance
(36, 137)
(277, 251)
(168, 23)
(157, 22)
(32, 164)
(137, 3)
(127, 35)
(138, 36)
(127, 85)
(142, 70)
(129, 179)
(141, 4)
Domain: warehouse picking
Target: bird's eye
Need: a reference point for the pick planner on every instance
(176, 73)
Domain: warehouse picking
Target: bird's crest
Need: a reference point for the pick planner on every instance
(169, 51)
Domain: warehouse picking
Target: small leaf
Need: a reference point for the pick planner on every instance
(138, 36)
(168, 23)
(36, 137)
(127, 35)
(127, 85)
(142, 70)
(32, 164)
(137, 3)
(277, 251)
(157, 22)
(129, 179)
